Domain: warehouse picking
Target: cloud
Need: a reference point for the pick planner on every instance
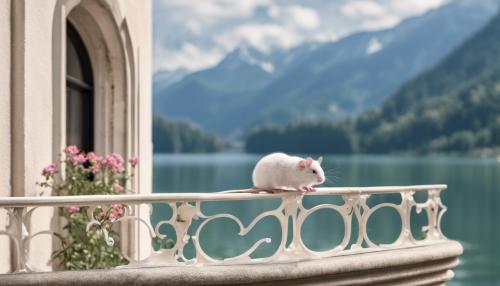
(195, 27)
(263, 37)
(323, 37)
(188, 57)
(370, 14)
(295, 16)
(414, 7)
(358, 9)
(378, 23)
(196, 34)
(379, 14)
(216, 9)
(284, 31)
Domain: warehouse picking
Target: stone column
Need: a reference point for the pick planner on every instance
(31, 111)
(5, 126)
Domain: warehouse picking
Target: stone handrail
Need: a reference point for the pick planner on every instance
(290, 213)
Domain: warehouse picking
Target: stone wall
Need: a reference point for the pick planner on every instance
(32, 94)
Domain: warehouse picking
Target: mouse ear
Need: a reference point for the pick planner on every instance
(320, 160)
(302, 164)
(309, 161)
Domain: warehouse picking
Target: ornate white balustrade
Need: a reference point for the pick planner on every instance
(188, 219)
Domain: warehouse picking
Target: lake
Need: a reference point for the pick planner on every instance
(472, 199)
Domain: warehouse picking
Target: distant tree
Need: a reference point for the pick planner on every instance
(483, 138)
(495, 132)
(437, 145)
(461, 141)
(171, 136)
(304, 137)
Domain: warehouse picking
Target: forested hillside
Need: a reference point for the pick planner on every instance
(171, 136)
(453, 107)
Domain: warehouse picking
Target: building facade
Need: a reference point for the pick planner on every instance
(72, 72)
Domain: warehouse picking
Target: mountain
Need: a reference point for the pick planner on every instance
(216, 98)
(345, 78)
(453, 107)
(163, 79)
(319, 81)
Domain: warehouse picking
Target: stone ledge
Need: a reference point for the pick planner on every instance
(423, 265)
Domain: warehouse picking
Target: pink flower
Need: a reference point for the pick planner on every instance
(96, 167)
(115, 162)
(78, 159)
(117, 212)
(92, 157)
(97, 162)
(72, 150)
(72, 209)
(49, 170)
(118, 208)
(118, 188)
(114, 217)
(134, 161)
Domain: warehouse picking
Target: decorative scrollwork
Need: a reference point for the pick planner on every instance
(435, 210)
(203, 258)
(290, 213)
(345, 213)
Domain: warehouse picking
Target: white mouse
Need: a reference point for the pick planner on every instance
(278, 171)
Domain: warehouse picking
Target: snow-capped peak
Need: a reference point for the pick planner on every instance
(253, 57)
(373, 46)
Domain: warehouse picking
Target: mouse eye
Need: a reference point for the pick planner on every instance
(314, 171)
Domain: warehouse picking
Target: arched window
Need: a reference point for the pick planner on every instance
(79, 93)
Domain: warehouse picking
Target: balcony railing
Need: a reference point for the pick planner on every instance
(188, 218)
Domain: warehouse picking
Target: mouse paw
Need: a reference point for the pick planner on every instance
(307, 189)
(310, 189)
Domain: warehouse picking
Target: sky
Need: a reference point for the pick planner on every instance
(196, 34)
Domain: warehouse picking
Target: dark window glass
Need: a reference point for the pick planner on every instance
(79, 92)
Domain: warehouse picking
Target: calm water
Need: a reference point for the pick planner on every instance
(472, 198)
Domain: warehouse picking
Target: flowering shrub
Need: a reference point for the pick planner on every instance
(88, 174)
